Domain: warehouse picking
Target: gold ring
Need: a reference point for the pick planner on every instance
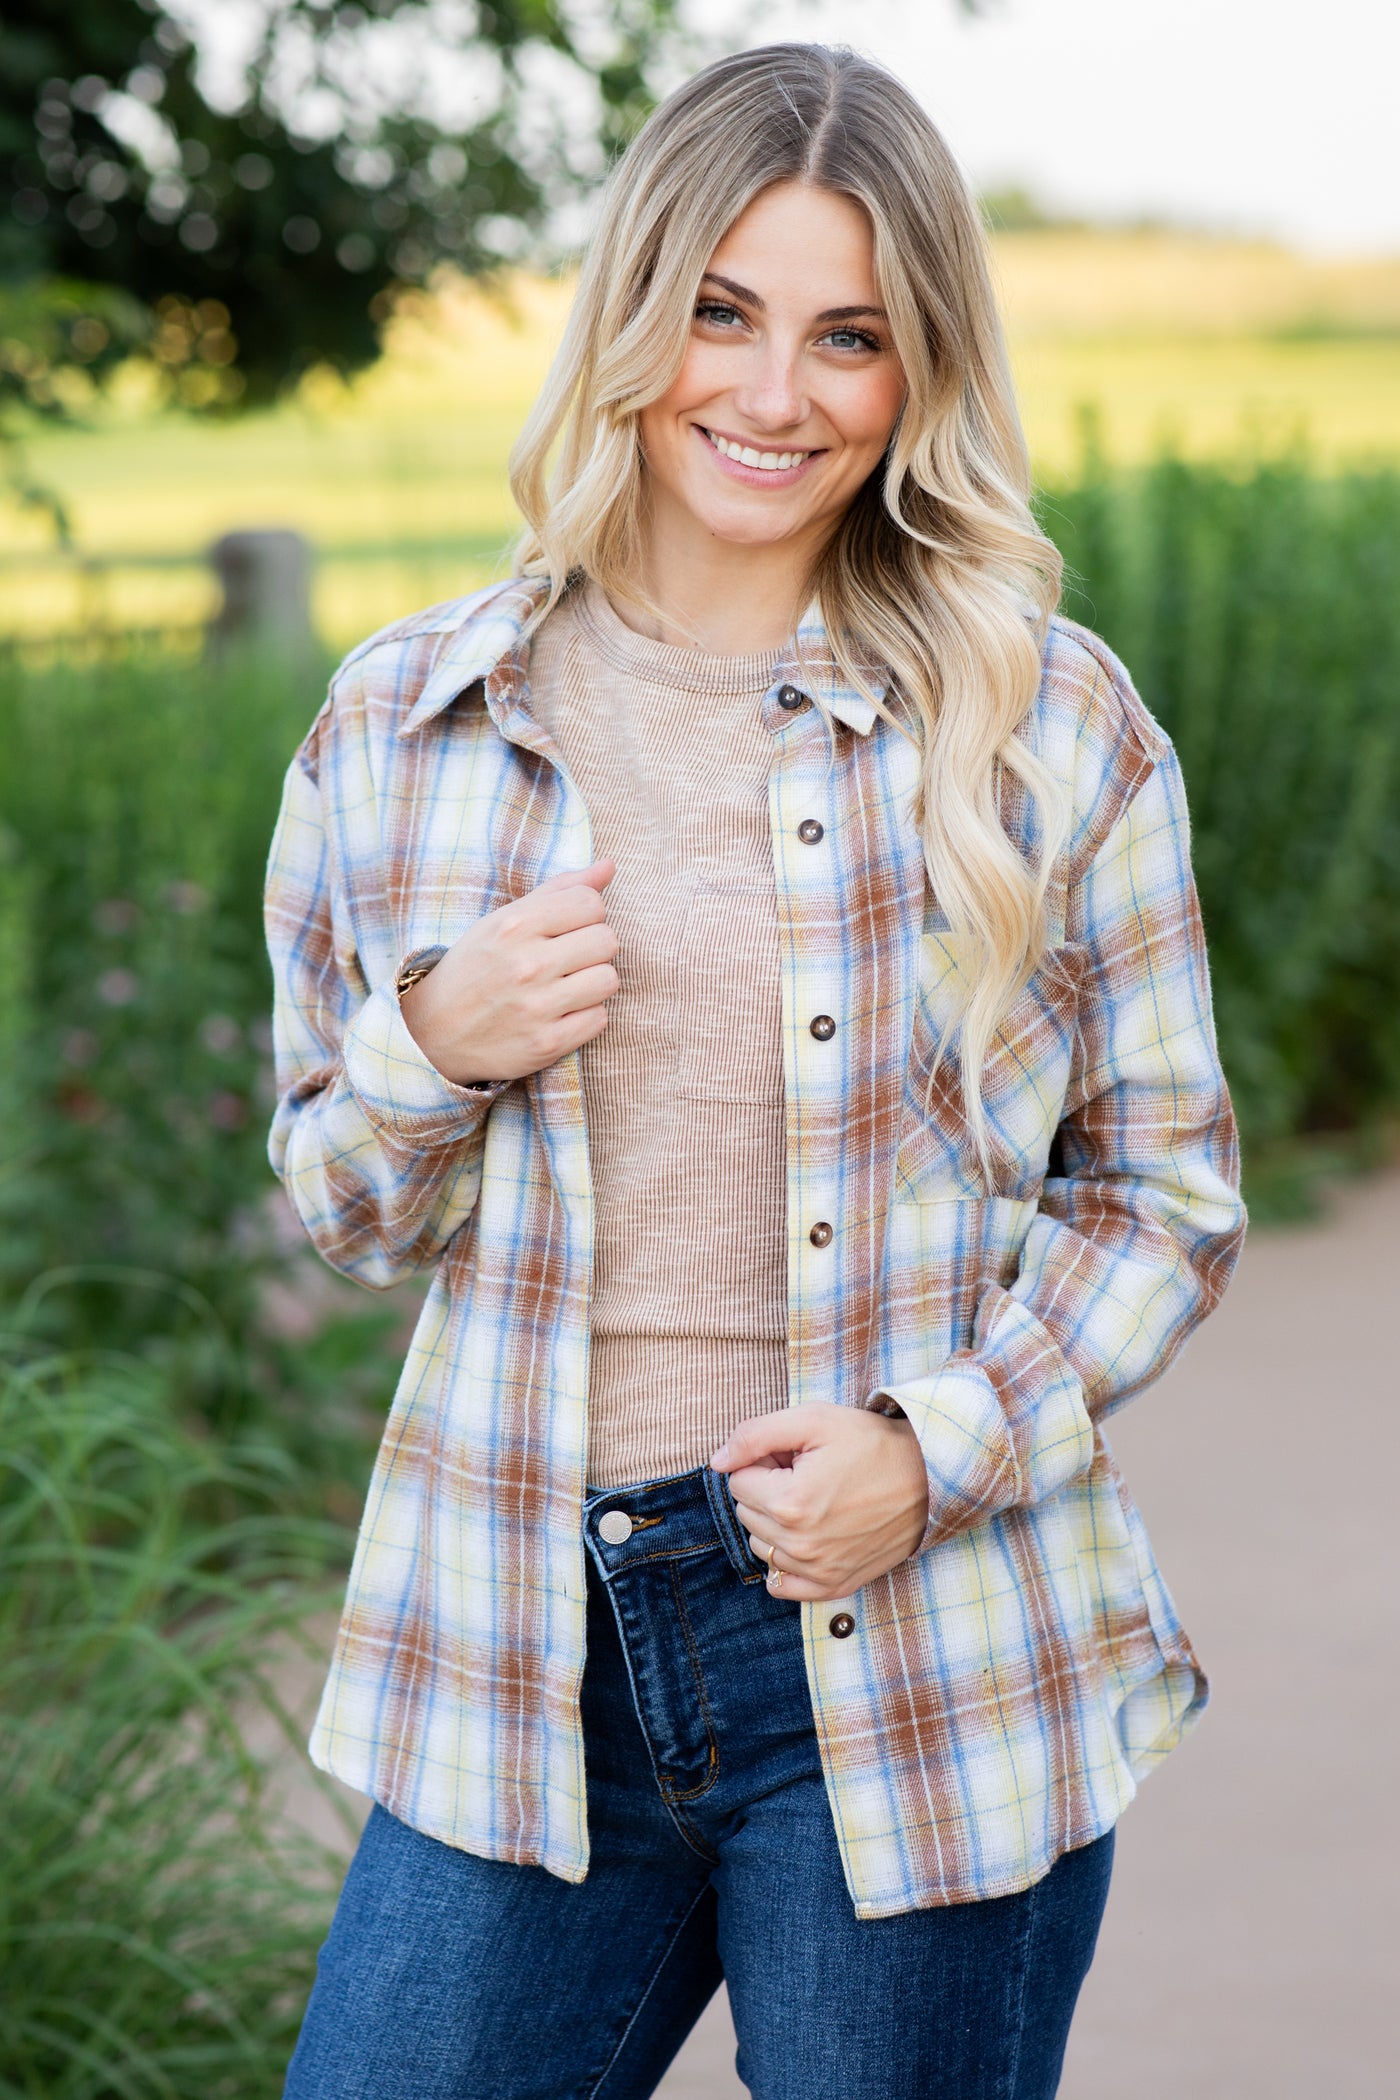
(775, 1573)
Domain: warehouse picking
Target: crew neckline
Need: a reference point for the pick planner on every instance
(664, 663)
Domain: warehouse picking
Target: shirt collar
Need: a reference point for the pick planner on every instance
(812, 667)
(493, 624)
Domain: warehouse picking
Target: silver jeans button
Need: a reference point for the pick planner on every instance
(614, 1525)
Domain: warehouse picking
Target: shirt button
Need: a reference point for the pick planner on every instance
(614, 1526)
(823, 1028)
(811, 832)
(790, 698)
(821, 1236)
(841, 1626)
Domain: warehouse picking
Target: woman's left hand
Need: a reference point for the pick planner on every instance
(839, 1494)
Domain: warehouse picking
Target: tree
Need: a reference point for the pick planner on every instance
(243, 214)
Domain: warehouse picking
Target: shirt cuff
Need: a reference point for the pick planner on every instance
(965, 1443)
(397, 1084)
(1000, 1425)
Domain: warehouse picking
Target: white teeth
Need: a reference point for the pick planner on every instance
(747, 456)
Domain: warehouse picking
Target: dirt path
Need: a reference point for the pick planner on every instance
(1249, 1948)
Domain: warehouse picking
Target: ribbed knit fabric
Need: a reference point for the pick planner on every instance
(683, 1091)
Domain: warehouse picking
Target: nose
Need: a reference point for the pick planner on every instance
(771, 396)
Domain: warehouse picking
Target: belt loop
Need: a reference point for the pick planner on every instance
(736, 1545)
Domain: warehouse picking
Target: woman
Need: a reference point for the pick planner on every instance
(751, 958)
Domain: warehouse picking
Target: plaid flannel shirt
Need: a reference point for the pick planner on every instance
(1008, 1684)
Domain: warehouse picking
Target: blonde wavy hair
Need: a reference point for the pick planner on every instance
(938, 570)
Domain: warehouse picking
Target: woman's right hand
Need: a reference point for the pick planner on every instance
(522, 986)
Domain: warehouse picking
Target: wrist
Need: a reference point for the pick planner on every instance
(417, 1005)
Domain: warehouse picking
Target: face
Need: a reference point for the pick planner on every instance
(790, 387)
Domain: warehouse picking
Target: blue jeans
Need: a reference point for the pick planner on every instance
(447, 1977)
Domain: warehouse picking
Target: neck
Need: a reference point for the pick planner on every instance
(700, 592)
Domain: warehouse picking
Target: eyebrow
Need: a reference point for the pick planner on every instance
(830, 313)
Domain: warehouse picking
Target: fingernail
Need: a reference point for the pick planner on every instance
(721, 1457)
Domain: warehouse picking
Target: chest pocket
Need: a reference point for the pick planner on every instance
(1026, 1076)
(729, 995)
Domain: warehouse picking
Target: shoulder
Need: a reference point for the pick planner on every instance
(475, 632)
(1091, 728)
(376, 687)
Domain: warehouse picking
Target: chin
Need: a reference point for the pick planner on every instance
(748, 526)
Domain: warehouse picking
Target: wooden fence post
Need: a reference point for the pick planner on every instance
(266, 582)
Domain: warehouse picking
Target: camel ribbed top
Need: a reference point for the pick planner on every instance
(683, 1091)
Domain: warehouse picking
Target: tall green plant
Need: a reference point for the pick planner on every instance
(1260, 613)
(157, 1929)
(137, 1211)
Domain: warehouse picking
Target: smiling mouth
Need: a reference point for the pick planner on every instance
(750, 456)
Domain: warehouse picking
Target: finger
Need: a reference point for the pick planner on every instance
(580, 949)
(779, 1538)
(550, 911)
(584, 988)
(762, 1436)
(572, 1032)
(596, 877)
(774, 1551)
(763, 1501)
(796, 1589)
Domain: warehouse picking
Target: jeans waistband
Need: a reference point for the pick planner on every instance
(666, 1520)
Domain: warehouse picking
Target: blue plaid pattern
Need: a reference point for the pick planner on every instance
(1008, 1685)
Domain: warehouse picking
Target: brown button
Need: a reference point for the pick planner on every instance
(790, 698)
(811, 832)
(821, 1235)
(823, 1028)
(841, 1626)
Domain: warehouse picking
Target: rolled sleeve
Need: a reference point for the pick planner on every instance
(399, 1088)
(999, 1425)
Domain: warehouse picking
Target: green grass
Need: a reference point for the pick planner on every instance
(157, 1926)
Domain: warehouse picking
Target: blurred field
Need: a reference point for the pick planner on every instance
(1219, 347)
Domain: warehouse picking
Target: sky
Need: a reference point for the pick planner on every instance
(1272, 117)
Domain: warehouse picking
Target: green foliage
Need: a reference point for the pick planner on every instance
(258, 224)
(1259, 614)
(157, 1929)
(137, 1211)
(168, 1451)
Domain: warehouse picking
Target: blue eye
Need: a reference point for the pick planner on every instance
(715, 310)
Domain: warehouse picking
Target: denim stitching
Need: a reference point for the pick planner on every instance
(669, 1795)
(710, 1858)
(1011, 2078)
(637, 1560)
(611, 2064)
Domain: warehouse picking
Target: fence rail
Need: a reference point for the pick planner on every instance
(57, 602)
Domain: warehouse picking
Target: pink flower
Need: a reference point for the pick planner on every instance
(79, 1046)
(220, 1034)
(118, 987)
(116, 915)
(186, 897)
(227, 1111)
